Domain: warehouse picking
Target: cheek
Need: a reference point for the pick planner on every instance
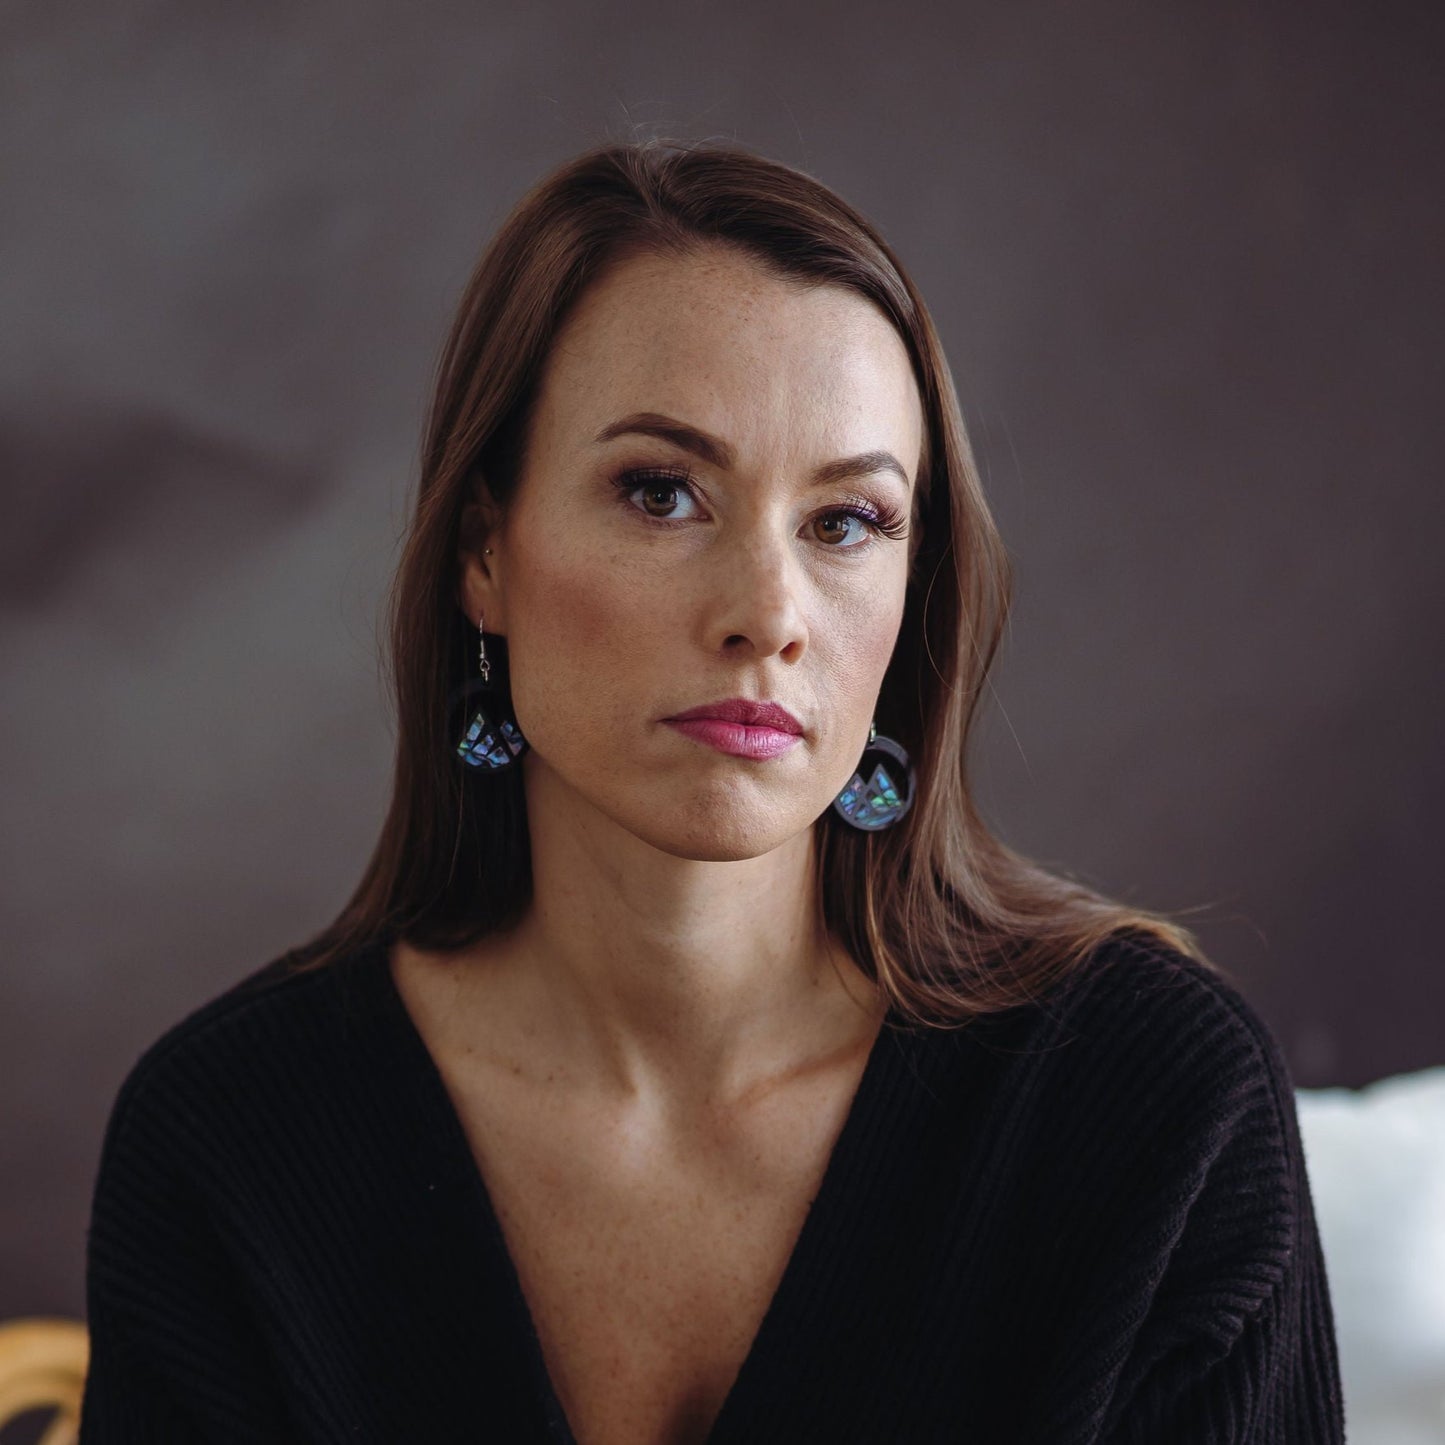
(583, 628)
(879, 638)
(865, 636)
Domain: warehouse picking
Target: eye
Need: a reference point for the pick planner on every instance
(657, 484)
(865, 513)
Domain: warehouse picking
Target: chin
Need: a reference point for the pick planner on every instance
(709, 832)
(715, 850)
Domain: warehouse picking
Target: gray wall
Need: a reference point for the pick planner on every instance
(1185, 260)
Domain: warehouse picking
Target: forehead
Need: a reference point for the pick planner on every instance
(715, 339)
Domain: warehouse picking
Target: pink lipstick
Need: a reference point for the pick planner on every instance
(739, 726)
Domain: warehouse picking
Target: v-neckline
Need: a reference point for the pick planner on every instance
(843, 1160)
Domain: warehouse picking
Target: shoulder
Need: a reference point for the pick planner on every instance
(1137, 990)
(260, 1025)
(1173, 1046)
(1165, 1111)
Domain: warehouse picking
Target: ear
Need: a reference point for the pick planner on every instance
(479, 591)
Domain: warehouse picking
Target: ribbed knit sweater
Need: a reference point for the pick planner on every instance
(1085, 1219)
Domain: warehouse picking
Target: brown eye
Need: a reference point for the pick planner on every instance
(869, 521)
(653, 491)
(658, 490)
(838, 522)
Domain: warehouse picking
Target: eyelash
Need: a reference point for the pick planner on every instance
(883, 521)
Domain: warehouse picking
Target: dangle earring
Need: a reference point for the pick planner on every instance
(491, 741)
(872, 800)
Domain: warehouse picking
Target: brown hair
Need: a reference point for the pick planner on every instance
(949, 921)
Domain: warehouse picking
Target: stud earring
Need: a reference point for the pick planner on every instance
(492, 741)
(872, 800)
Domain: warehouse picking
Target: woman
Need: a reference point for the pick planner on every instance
(691, 1063)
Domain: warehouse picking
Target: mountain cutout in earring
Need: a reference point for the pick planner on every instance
(873, 800)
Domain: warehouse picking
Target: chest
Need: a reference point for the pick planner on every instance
(647, 1268)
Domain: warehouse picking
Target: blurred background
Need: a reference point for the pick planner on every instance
(1186, 262)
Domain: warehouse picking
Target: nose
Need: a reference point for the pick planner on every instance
(757, 589)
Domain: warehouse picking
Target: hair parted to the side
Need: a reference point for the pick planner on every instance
(949, 921)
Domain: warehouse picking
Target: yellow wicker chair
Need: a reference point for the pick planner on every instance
(42, 1366)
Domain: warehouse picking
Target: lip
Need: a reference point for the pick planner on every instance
(738, 726)
(743, 710)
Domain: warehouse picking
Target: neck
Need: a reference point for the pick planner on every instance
(692, 982)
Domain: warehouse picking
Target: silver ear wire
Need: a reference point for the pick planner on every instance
(483, 665)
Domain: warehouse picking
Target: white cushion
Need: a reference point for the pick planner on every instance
(1376, 1159)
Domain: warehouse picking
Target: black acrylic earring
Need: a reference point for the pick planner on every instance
(491, 741)
(873, 800)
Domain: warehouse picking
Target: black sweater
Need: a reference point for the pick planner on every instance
(1083, 1220)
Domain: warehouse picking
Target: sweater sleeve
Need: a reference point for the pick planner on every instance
(1238, 1347)
(174, 1353)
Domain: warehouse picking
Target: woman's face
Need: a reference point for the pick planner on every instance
(748, 571)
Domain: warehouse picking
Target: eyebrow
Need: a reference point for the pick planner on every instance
(717, 453)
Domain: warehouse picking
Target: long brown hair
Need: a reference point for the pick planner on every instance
(949, 921)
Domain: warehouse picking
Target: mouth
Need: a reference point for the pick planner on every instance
(735, 738)
(744, 711)
(740, 727)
